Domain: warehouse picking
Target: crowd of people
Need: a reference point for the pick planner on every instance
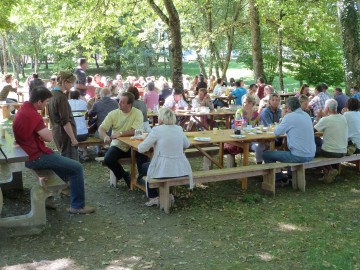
(117, 108)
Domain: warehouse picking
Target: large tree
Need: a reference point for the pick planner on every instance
(172, 20)
(349, 22)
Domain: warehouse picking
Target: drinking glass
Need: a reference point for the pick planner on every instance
(139, 133)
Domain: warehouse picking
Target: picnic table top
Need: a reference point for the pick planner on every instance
(206, 137)
(222, 112)
(14, 153)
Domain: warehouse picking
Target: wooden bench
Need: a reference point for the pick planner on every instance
(48, 184)
(190, 153)
(298, 170)
(266, 170)
(5, 109)
(91, 141)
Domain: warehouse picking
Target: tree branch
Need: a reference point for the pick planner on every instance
(159, 12)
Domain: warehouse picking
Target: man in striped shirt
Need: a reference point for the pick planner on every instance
(318, 102)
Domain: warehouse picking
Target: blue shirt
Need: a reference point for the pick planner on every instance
(238, 93)
(298, 127)
(269, 117)
(357, 95)
(341, 100)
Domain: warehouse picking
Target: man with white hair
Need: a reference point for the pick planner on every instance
(335, 138)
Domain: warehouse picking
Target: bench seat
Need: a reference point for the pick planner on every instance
(91, 141)
(266, 170)
(48, 184)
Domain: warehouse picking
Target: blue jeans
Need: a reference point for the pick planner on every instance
(283, 156)
(64, 167)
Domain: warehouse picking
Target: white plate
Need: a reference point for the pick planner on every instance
(202, 139)
(237, 136)
(78, 114)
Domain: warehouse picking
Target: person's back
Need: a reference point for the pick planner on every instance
(335, 130)
(340, 98)
(300, 133)
(139, 104)
(79, 105)
(102, 108)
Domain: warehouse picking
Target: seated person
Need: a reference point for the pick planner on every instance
(252, 91)
(318, 102)
(82, 133)
(7, 86)
(352, 115)
(31, 134)
(169, 160)
(218, 91)
(340, 98)
(268, 90)
(151, 97)
(238, 92)
(123, 122)
(249, 116)
(304, 90)
(335, 138)
(300, 136)
(201, 100)
(165, 92)
(304, 103)
(139, 104)
(175, 101)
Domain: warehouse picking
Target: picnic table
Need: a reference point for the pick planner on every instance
(285, 95)
(203, 138)
(12, 159)
(187, 114)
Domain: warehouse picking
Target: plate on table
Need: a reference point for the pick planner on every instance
(237, 136)
(78, 114)
(202, 139)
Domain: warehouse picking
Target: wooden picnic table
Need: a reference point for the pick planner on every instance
(5, 109)
(226, 99)
(12, 158)
(223, 113)
(222, 137)
(285, 95)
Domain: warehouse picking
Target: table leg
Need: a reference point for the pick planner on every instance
(211, 122)
(1, 200)
(133, 169)
(221, 154)
(246, 147)
(209, 157)
(5, 112)
(228, 121)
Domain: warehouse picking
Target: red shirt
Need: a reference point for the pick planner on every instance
(260, 91)
(27, 123)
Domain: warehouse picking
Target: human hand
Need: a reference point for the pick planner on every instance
(107, 139)
(74, 142)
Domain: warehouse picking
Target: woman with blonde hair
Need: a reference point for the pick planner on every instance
(169, 160)
(61, 118)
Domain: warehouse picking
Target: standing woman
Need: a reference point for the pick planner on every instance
(61, 118)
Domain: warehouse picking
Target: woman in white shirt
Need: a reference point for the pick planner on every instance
(169, 160)
(352, 115)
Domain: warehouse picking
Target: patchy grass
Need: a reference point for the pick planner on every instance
(217, 226)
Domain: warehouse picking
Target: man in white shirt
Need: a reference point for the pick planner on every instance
(175, 101)
(335, 138)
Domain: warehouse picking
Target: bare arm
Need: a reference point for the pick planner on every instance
(45, 135)
(69, 131)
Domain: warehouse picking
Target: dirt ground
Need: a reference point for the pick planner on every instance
(218, 227)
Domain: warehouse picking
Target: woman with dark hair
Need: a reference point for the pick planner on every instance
(304, 90)
(139, 104)
(352, 115)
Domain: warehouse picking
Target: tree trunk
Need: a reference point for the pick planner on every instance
(4, 55)
(46, 62)
(280, 52)
(201, 63)
(349, 22)
(258, 61)
(173, 22)
(96, 60)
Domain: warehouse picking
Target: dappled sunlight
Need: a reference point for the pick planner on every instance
(264, 256)
(128, 264)
(354, 190)
(285, 227)
(59, 264)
